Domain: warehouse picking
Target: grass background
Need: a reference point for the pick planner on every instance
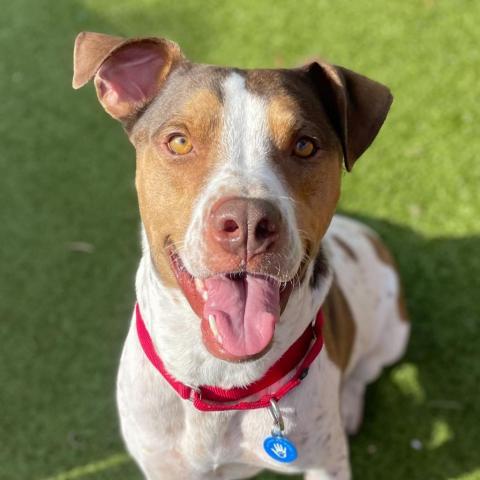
(67, 176)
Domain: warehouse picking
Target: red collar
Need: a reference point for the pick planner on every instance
(299, 356)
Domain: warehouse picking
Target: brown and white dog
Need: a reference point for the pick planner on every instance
(238, 175)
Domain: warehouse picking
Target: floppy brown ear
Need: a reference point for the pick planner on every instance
(128, 72)
(356, 105)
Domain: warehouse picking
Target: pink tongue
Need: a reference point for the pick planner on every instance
(245, 312)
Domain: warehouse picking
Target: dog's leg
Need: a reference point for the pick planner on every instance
(351, 404)
(334, 462)
(390, 347)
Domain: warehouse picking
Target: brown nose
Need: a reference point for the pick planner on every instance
(244, 226)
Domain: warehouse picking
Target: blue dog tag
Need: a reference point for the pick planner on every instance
(280, 449)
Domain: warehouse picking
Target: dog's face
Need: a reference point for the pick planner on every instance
(238, 173)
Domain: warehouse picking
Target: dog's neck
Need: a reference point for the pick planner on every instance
(175, 329)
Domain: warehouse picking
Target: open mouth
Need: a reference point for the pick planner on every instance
(238, 311)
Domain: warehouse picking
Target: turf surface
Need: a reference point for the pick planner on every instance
(67, 176)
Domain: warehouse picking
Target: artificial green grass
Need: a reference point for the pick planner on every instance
(67, 175)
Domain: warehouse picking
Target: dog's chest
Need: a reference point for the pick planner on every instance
(169, 434)
(210, 440)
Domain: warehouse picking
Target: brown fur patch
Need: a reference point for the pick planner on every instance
(402, 307)
(293, 111)
(339, 329)
(283, 115)
(167, 184)
(381, 250)
(345, 247)
(386, 257)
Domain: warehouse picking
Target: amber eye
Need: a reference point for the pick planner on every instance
(304, 148)
(179, 144)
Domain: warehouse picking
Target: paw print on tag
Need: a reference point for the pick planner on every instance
(280, 449)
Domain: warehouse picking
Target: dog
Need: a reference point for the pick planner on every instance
(246, 271)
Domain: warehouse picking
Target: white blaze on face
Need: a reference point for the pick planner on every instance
(244, 168)
(245, 137)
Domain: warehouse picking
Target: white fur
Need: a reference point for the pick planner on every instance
(168, 438)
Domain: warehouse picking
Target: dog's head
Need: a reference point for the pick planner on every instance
(238, 172)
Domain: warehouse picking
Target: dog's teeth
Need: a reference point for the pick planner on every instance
(200, 286)
(213, 327)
